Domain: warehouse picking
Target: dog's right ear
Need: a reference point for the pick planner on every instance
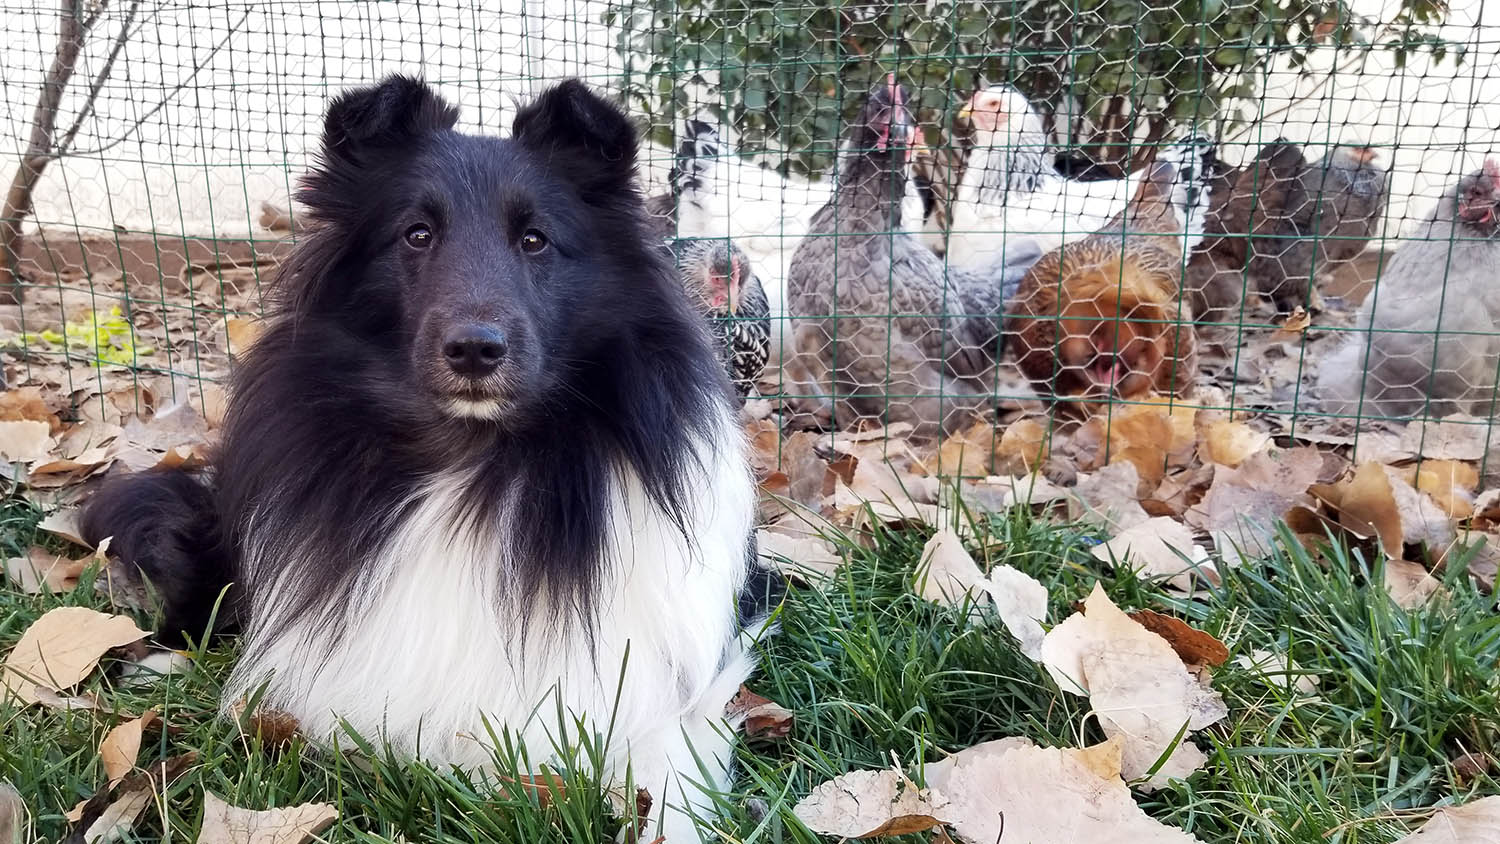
(586, 137)
(391, 115)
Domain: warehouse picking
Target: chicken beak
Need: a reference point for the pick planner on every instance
(734, 300)
(966, 112)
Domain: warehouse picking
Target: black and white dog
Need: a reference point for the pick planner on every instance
(483, 447)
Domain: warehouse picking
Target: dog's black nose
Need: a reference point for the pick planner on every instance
(474, 351)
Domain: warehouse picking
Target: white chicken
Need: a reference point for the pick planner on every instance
(1011, 198)
(767, 215)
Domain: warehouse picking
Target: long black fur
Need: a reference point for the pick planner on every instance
(337, 418)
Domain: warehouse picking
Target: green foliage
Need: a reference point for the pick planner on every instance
(786, 75)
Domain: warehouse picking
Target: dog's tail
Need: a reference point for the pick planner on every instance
(167, 548)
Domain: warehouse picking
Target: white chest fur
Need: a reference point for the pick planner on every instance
(425, 650)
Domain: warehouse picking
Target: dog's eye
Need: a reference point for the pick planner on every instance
(418, 236)
(533, 242)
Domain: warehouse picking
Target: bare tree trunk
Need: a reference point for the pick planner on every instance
(72, 29)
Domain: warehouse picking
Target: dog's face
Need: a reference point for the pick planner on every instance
(478, 258)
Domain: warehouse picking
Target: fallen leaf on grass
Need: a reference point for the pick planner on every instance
(869, 804)
(1243, 503)
(1021, 603)
(968, 453)
(1012, 790)
(86, 702)
(111, 813)
(1138, 686)
(122, 745)
(43, 571)
(1450, 483)
(59, 649)
(1477, 822)
(1193, 645)
(1295, 324)
(1023, 447)
(1158, 547)
(1409, 584)
(762, 717)
(1109, 498)
(12, 815)
(1231, 443)
(797, 556)
(1378, 501)
(25, 441)
(1275, 666)
(226, 824)
(1456, 437)
(948, 575)
(63, 523)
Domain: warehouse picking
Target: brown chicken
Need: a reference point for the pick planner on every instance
(1280, 222)
(1246, 202)
(1101, 318)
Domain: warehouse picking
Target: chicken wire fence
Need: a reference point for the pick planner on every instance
(895, 178)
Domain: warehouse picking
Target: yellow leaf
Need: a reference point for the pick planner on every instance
(62, 647)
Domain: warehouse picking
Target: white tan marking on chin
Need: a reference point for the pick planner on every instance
(475, 409)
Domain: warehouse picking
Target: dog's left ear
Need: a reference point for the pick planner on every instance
(587, 137)
(398, 112)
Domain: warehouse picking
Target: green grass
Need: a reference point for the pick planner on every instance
(871, 669)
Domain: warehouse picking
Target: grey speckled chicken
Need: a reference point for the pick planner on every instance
(1425, 339)
(882, 330)
(1330, 213)
(718, 279)
(715, 272)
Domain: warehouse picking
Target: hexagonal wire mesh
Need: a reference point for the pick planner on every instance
(889, 172)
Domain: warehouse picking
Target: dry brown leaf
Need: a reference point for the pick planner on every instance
(1476, 822)
(41, 570)
(30, 403)
(1011, 790)
(86, 702)
(1026, 490)
(1275, 666)
(25, 441)
(968, 453)
(1295, 324)
(1109, 498)
(226, 824)
(1454, 437)
(1158, 547)
(112, 811)
(1023, 447)
(242, 332)
(869, 804)
(1138, 686)
(122, 745)
(1193, 645)
(169, 427)
(1450, 483)
(1409, 584)
(1243, 504)
(1231, 443)
(13, 815)
(63, 523)
(800, 555)
(762, 717)
(59, 649)
(1021, 603)
(947, 574)
(1379, 502)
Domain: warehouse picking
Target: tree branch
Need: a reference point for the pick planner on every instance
(71, 32)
